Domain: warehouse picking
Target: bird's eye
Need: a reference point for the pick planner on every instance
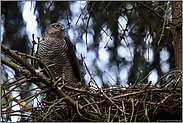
(56, 26)
(63, 27)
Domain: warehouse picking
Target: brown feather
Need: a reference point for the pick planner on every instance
(73, 59)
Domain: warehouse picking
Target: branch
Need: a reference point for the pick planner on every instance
(18, 59)
(151, 10)
(37, 78)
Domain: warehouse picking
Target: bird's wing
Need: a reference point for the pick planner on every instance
(73, 59)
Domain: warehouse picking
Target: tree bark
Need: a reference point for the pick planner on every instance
(177, 34)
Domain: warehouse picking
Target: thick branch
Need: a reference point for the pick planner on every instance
(15, 67)
(37, 78)
(18, 59)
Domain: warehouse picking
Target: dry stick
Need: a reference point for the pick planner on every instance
(51, 107)
(90, 9)
(124, 110)
(166, 75)
(102, 28)
(77, 106)
(16, 67)
(46, 68)
(98, 111)
(106, 7)
(108, 120)
(25, 55)
(68, 23)
(81, 13)
(23, 102)
(37, 76)
(137, 79)
(159, 16)
(38, 38)
(164, 23)
(33, 42)
(19, 83)
(91, 105)
(89, 72)
(18, 59)
(40, 61)
(177, 81)
(113, 79)
(143, 91)
(144, 78)
(98, 86)
(118, 9)
(87, 28)
(46, 13)
(7, 85)
(146, 86)
(29, 109)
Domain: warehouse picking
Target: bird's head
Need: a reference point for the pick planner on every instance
(55, 30)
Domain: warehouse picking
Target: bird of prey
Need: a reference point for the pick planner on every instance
(58, 53)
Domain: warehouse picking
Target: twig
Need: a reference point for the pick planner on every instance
(82, 12)
(33, 42)
(87, 28)
(108, 120)
(179, 71)
(7, 84)
(18, 59)
(19, 83)
(46, 68)
(23, 102)
(46, 13)
(113, 79)
(68, 23)
(49, 109)
(131, 99)
(25, 55)
(137, 79)
(106, 6)
(144, 78)
(143, 91)
(151, 10)
(164, 23)
(38, 38)
(91, 104)
(124, 110)
(89, 72)
(102, 28)
(146, 86)
(98, 86)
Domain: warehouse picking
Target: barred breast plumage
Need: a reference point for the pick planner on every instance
(58, 53)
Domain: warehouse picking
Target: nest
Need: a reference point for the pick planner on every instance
(139, 102)
(161, 101)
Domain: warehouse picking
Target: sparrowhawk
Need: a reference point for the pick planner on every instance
(58, 53)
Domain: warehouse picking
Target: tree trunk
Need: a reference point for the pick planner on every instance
(177, 33)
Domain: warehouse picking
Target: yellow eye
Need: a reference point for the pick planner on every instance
(56, 26)
(63, 27)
